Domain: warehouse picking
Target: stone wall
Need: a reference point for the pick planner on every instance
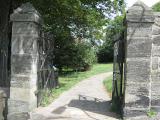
(142, 56)
(155, 61)
(2, 104)
(24, 62)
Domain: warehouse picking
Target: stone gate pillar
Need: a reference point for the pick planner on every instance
(24, 59)
(155, 61)
(140, 19)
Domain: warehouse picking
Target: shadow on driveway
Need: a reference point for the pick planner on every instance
(88, 104)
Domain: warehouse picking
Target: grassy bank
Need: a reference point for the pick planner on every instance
(68, 79)
(108, 84)
(115, 107)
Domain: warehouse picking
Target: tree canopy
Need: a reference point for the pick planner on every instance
(156, 7)
(73, 22)
(114, 28)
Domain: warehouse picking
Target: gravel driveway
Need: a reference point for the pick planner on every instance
(88, 100)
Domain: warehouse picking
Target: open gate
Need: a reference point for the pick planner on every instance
(118, 71)
(47, 75)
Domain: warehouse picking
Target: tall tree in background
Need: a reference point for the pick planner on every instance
(73, 22)
(156, 7)
(114, 28)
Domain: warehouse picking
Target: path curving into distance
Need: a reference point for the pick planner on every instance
(88, 100)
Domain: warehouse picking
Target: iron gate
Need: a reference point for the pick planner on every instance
(118, 70)
(47, 75)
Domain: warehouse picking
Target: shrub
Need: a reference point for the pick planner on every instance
(105, 53)
(78, 56)
(156, 7)
(85, 57)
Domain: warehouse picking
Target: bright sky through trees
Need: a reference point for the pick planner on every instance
(147, 2)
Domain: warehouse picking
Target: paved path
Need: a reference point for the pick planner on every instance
(88, 100)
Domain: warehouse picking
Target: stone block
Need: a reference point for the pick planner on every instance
(20, 81)
(135, 49)
(155, 76)
(138, 66)
(130, 114)
(157, 21)
(24, 94)
(156, 39)
(155, 63)
(155, 94)
(139, 17)
(139, 26)
(29, 17)
(22, 44)
(25, 30)
(155, 88)
(23, 64)
(156, 51)
(139, 30)
(24, 81)
(2, 104)
(136, 101)
(15, 106)
(155, 30)
(19, 116)
(140, 12)
(142, 78)
(137, 88)
(24, 26)
(155, 100)
(17, 31)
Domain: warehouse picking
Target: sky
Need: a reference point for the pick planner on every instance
(147, 2)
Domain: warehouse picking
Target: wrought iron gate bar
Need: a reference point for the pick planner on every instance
(118, 70)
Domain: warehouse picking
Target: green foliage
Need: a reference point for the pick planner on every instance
(79, 56)
(108, 84)
(105, 53)
(70, 20)
(156, 7)
(114, 27)
(84, 57)
(115, 106)
(151, 113)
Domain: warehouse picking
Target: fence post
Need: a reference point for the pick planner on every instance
(24, 62)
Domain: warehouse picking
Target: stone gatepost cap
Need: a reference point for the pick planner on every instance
(140, 12)
(26, 12)
(141, 4)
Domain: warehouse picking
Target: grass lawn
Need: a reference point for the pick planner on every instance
(115, 107)
(108, 84)
(68, 79)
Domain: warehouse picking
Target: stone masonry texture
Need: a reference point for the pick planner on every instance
(142, 55)
(2, 104)
(24, 62)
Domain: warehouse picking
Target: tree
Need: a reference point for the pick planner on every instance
(156, 7)
(72, 20)
(115, 27)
